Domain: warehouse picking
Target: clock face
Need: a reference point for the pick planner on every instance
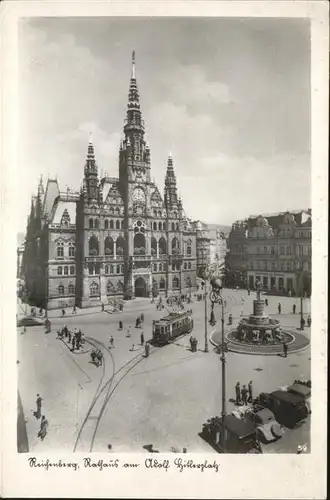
(139, 195)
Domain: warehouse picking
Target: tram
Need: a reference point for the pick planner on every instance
(170, 327)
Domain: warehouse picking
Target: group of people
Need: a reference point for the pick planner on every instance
(43, 422)
(75, 338)
(139, 321)
(97, 357)
(244, 395)
(193, 343)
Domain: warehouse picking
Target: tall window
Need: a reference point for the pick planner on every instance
(94, 289)
(189, 247)
(175, 246)
(159, 226)
(117, 224)
(173, 226)
(106, 269)
(281, 250)
(111, 269)
(72, 250)
(122, 224)
(96, 223)
(175, 282)
(71, 289)
(71, 269)
(108, 246)
(66, 270)
(164, 226)
(93, 246)
(60, 249)
(59, 270)
(91, 224)
(155, 267)
(185, 265)
(161, 284)
(189, 265)
(177, 226)
(106, 224)
(160, 267)
(118, 269)
(60, 289)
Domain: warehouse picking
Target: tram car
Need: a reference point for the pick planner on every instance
(170, 327)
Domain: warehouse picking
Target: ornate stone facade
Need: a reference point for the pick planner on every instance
(118, 237)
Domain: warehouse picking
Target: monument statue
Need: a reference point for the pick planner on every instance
(258, 288)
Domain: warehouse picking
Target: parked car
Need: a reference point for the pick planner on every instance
(267, 428)
(304, 392)
(288, 408)
(239, 435)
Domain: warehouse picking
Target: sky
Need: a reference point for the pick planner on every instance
(229, 98)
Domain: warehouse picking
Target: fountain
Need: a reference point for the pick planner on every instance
(258, 328)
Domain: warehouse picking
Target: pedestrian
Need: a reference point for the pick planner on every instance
(37, 413)
(302, 323)
(133, 348)
(309, 321)
(63, 312)
(142, 317)
(69, 337)
(74, 310)
(142, 338)
(102, 307)
(244, 393)
(290, 293)
(120, 325)
(73, 342)
(111, 341)
(279, 307)
(191, 343)
(285, 349)
(238, 393)
(250, 399)
(294, 308)
(249, 291)
(43, 428)
(266, 302)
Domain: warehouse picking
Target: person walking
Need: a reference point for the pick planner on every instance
(74, 310)
(142, 338)
(69, 337)
(285, 349)
(37, 413)
(279, 308)
(309, 321)
(111, 341)
(63, 313)
(244, 393)
(120, 325)
(266, 302)
(250, 398)
(238, 393)
(43, 428)
(294, 308)
(73, 342)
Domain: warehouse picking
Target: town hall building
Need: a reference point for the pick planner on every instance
(118, 237)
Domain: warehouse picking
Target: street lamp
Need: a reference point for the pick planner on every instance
(206, 348)
(217, 298)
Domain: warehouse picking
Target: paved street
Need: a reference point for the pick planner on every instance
(161, 400)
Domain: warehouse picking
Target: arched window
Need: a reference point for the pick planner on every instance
(162, 246)
(71, 269)
(122, 269)
(106, 269)
(117, 224)
(175, 246)
(162, 284)
(154, 226)
(111, 269)
(71, 289)
(66, 270)
(177, 226)
(189, 247)
(59, 270)
(106, 224)
(153, 246)
(175, 282)
(60, 249)
(108, 246)
(90, 223)
(175, 215)
(60, 289)
(189, 265)
(90, 268)
(160, 267)
(111, 224)
(96, 223)
(159, 226)
(185, 266)
(164, 226)
(120, 244)
(122, 224)
(118, 269)
(139, 244)
(93, 245)
(173, 226)
(155, 267)
(72, 250)
(159, 213)
(94, 289)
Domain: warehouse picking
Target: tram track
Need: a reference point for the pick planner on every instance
(107, 386)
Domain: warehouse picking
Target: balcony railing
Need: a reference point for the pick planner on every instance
(141, 257)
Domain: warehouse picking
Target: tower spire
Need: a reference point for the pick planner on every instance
(133, 66)
(91, 173)
(171, 195)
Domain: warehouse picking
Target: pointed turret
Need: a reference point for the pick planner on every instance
(91, 173)
(170, 192)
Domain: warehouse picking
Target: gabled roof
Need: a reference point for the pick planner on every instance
(59, 209)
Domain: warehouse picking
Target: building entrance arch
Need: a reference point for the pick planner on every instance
(140, 287)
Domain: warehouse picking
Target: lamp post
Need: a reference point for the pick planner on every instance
(217, 298)
(206, 348)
